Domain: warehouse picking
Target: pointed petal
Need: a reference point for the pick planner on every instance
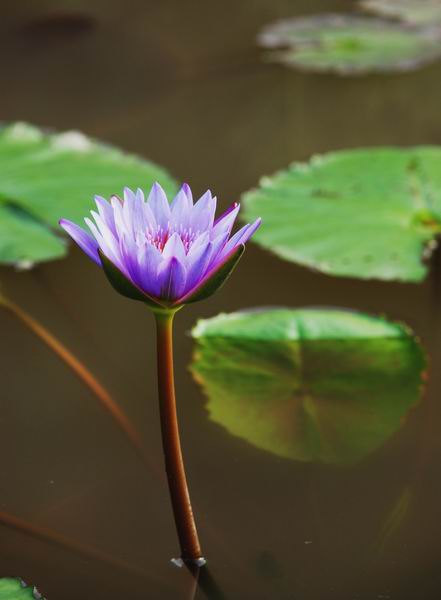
(213, 279)
(187, 191)
(134, 211)
(129, 256)
(197, 264)
(181, 210)
(159, 205)
(202, 215)
(226, 221)
(201, 240)
(149, 259)
(140, 195)
(106, 212)
(83, 239)
(174, 247)
(107, 244)
(172, 276)
(149, 217)
(218, 246)
(129, 196)
(117, 207)
(241, 236)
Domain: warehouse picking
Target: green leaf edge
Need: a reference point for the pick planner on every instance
(267, 181)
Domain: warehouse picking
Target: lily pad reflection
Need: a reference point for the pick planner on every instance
(349, 44)
(310, 385)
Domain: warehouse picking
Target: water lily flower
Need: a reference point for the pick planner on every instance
(166, 255)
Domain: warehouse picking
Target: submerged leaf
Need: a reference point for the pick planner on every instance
(349, 44)
(48, 176)
(368, 213)
(310, 385)
(12, 588)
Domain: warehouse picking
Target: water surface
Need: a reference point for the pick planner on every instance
(183, 84)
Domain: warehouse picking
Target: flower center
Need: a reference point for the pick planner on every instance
(159, 236)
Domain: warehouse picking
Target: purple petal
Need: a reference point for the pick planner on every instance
(198, 263)
(174, 247)
(201, 240)
(181, 210)
(83, 239)
(149, 259)
(149, 217)
(159, 205)
(217, 248)
(226, 221)
(106, 212)
(129, 196)
(128, 250)
(133, 210)
(118, 216)
(214, 267)
(202, 215)
(140, 195)
(241, 236)
(172, 277)
(187, 191)
(106, 241)
(142, 265)
(127, 206)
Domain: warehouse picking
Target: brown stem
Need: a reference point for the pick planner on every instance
(80, 371)
(174, 464)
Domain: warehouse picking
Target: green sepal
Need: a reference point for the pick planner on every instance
(123, 286)
(216, 280)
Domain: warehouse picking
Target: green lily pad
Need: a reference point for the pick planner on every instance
(418, 12)
(311, 385)
(349, 44)
(367, 213)
(48, 176)
(14, 589)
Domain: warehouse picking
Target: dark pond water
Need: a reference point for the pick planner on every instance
(182, 83)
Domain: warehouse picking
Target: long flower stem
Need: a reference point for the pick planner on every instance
(177, 482)
(80, 371)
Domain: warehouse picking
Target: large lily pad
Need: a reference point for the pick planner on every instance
(420, 12)
(310, 385)
(349, 44)
(48, 176)
(14, 589)
(368, 213)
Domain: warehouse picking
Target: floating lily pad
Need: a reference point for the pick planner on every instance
(350, 45)
(14, 589)
(367, 213)
(419, 12)
(48, 176)
(310, 385)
